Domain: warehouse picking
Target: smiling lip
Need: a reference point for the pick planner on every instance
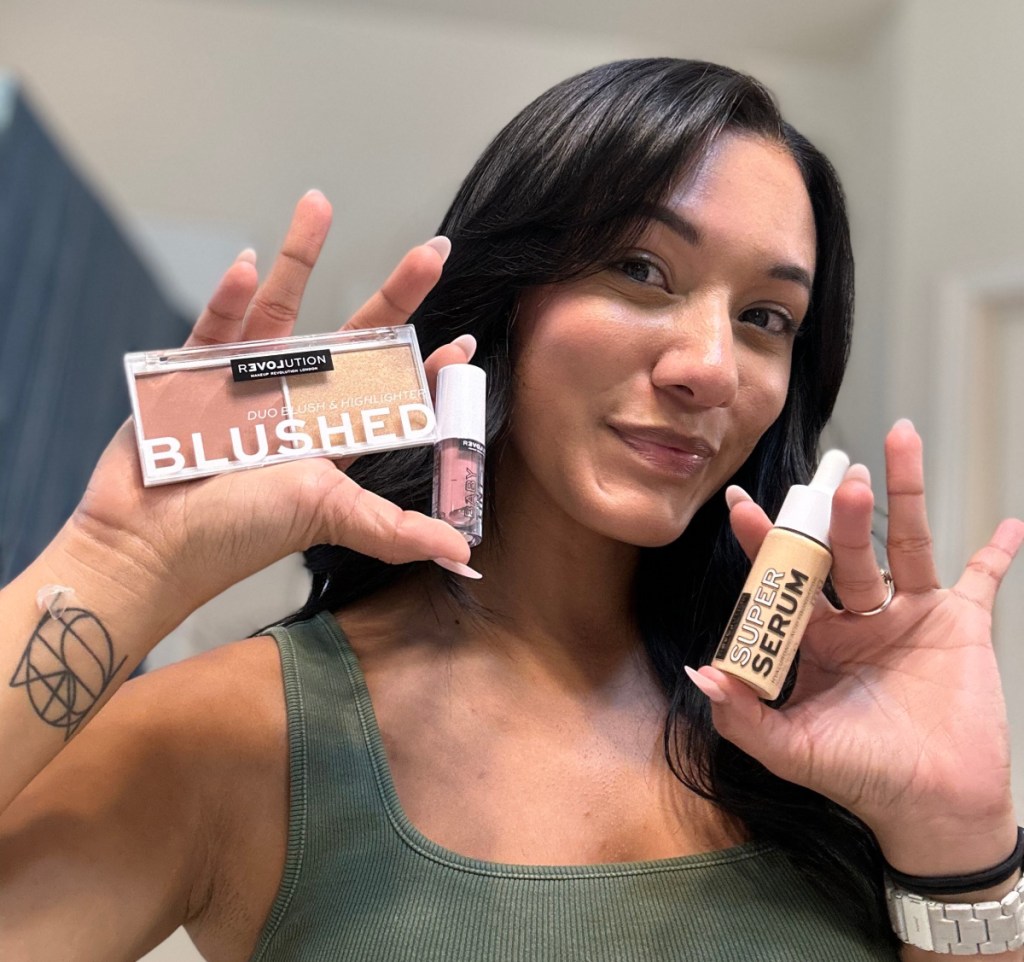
(665, 449)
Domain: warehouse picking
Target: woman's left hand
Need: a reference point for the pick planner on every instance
(898, 717)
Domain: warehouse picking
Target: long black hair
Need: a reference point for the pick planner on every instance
(557, 194)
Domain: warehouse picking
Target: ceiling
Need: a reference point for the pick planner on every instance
(815, 29)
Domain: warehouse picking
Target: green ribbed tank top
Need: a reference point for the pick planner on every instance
(361, 884)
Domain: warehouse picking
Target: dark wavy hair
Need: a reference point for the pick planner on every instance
(559, 193)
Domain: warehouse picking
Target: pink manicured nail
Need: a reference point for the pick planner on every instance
(706, 685)
(467, 343)
(904, 423)
(858, 472)
(734, 494)
(249, 254)
(442, 245)
(457, 567)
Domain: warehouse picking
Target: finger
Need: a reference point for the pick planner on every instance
(372, 525)
(459, 351)
(221, 320)
(740, 717)
(909, 540)
(855, 572)
(404, 290)
(275, 307)
(749, 523)
(986, 569)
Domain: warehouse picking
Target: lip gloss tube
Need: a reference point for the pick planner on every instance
(779, 595)
(461, 408)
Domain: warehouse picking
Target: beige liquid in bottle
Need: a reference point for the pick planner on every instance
(780, 593)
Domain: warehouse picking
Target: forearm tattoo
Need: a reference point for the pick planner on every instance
(66, 667)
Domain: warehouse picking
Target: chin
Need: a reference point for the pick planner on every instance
(652, 528)
(651, 536)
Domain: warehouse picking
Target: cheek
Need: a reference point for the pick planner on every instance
(569, 353)
(775, 394)
(566, 329)
(763, 399)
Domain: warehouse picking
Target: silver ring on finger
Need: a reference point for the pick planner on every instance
(890, 593)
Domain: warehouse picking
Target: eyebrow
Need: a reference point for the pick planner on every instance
(790, 272)
(678, 225)
(693, 235)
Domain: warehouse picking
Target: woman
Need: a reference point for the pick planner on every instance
(656, 273)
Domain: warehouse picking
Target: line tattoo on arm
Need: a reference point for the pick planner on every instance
(66, 667)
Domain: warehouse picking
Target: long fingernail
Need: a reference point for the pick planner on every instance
(706, 685)
(734, 494)
(467, 343)
(457, 567)
(442, 245)
(859, 472)
(249, 254)
(904, 423)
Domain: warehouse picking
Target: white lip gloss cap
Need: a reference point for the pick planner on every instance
(462, 403)
(808, 507)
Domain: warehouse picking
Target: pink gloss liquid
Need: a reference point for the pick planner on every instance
(459, 486)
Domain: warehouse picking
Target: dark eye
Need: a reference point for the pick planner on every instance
(774, 320)
(642, 271)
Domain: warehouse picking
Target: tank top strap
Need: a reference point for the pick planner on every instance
(335, 801)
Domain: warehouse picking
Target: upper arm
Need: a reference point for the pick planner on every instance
(113, 845)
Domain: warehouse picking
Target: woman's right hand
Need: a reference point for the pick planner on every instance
(139, 560)
(200, 537)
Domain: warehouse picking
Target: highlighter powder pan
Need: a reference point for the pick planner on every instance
(208, 410)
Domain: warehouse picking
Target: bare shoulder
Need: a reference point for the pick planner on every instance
(210, 716)
(137, 820)
(233, 692)
(230, 720)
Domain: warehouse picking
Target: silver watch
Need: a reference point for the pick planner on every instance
(957, 928)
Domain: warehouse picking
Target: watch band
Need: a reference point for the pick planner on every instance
(957, 928)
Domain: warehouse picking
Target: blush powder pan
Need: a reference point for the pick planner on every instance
(209, 410)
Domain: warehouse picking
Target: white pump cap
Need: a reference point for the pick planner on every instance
(808, 507)
(462, 403)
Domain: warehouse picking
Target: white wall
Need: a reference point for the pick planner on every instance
(960, 197)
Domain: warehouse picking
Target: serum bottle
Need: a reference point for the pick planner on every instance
(779, 595)
(459, 452)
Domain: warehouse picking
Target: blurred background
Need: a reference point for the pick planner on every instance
(143, 143)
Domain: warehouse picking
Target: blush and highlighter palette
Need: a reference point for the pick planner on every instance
(209, 410)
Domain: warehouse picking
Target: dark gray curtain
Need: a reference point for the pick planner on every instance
(74, 297)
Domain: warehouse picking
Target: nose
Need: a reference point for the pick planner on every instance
(698, 359)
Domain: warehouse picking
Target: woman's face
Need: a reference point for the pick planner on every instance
(642, 388)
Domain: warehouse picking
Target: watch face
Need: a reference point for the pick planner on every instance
(959, 928)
